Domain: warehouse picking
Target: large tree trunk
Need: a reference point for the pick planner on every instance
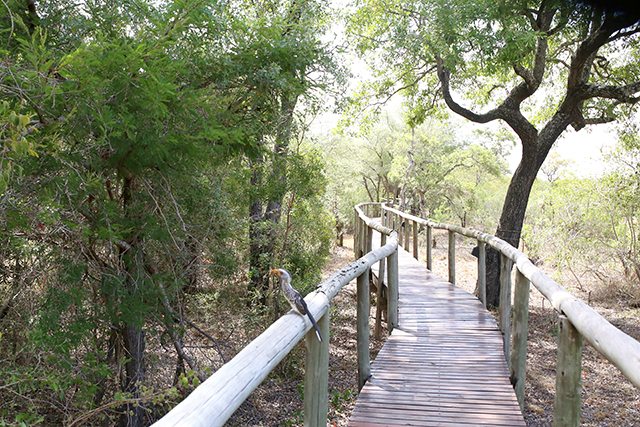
(131, 331)
(512, 217)
(133, 336)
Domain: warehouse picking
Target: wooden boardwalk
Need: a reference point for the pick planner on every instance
(443, 365)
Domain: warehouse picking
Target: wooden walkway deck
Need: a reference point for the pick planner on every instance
(442, 366)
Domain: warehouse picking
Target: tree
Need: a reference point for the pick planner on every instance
(543, 65)
(282, 62)
(107, 113)
(428, 168)
(129, 133)
(623, 194)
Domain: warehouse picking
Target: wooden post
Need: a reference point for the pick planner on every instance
(356, 239)
(364, 368)
(566, 409)
(429, 247)
(362, 237)
(520, 331)
(355, 235)
(369, 241)
(505, 304)
(400, 233)
(316, 375)
(392, 291)
(452, 257)
(407, 233)
(415, 240)
(482, 272)
(381, 282)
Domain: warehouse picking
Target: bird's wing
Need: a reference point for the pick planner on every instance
(300, 303)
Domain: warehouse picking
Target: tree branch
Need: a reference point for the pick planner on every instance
(598, 120)
(624, 94)
(445, 76)
(366, 186)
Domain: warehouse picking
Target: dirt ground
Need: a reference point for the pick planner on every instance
(608, 399)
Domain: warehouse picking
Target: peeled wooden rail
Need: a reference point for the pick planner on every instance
(217, 398)
(576, 319)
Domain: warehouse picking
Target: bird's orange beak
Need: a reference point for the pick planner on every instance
(275, 272)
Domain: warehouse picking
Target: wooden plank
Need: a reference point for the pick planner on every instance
(437, 409)
(450, 397)
(442, 365)
(457, 419)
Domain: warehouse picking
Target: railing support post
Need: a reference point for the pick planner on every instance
(369, 242)
(392, 288)
(429, 247)
(566, 408)
(316, 375)
(415, 239)
(356, 226)
(381, 282)
(400, 233)
(482, 272)
(520, 332)
(407, 233)
(364, 367)
(452, 257)
(505, 304)
(362, 235)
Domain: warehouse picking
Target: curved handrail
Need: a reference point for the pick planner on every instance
(217, 398)
(619, 348)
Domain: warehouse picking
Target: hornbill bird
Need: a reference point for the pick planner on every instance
(293, 297)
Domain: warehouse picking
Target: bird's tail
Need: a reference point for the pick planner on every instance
(315, 325)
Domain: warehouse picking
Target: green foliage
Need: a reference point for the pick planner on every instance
(479, 41)
(307, 226)
(338, 399)
(428, 169)
(129, 133)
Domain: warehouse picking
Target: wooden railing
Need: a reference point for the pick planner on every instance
(576, 320)
(217, 398)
